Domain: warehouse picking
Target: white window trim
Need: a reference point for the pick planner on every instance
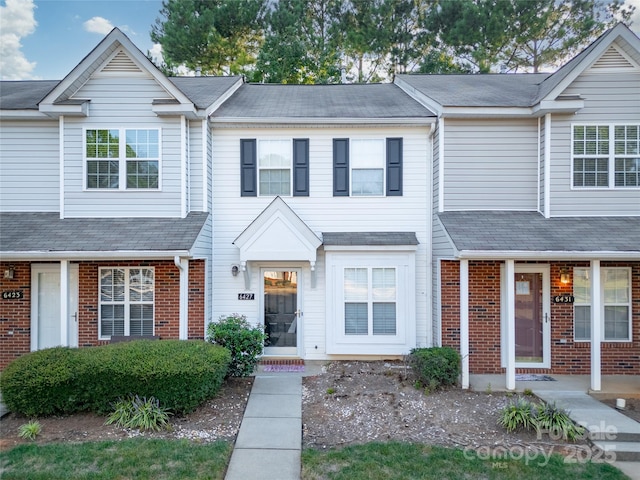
(384, 167)
(259, 141)
(404, 339)
(127, 302)
(602, 303)
(611, 156)
(122, 159)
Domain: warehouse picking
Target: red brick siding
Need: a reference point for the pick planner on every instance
(15, 315)
(484, 322)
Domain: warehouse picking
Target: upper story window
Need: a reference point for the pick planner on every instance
(271, 167)
(122, 158)
(367, 167)
(615, 297)
(606, 156)
(274, 167)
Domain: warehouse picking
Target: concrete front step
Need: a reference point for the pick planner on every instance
(612, 435)
(623, 451)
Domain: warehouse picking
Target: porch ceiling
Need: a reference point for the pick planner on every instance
(484, 234)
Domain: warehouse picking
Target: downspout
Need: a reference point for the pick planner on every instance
(183, 266)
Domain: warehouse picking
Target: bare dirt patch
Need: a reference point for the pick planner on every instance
(359, 402)
(217, 419)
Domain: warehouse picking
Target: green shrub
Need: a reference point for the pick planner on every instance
(243, 340)
(435, 367)
(141, 413)
(180, 374)
(556, 421)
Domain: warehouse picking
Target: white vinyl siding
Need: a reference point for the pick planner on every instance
(616, 304)
(29, 166)
(609, 99)
(322, 212)
(121, 102)
(491, 164)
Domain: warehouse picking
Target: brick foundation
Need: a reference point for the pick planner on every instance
(15, 315)
(484, 322)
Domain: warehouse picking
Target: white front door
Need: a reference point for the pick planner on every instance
(46, 326)
(281, 304)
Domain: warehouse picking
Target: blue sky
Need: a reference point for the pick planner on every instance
(46, 39)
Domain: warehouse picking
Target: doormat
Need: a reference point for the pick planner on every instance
(283, 368)
(530, 377)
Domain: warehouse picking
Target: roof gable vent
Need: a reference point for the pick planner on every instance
(612, 59)
(121, 63)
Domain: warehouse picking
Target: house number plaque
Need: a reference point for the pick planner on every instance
(563, 299)
(12, 295)
(246, 296)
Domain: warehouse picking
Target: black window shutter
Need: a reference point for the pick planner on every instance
(340, 167)
(300, 167)
(248, 168)
(394, 167)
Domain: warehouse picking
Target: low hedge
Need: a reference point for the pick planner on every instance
(180, 374)
(435, 367)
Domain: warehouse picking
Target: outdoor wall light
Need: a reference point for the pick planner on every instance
(564, 275)
(10, 272)
(234, 270)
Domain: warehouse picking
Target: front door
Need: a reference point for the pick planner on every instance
(281, 310)
(532, 322)
(46, 326)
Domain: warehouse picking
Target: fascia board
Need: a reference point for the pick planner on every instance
(234, 122)
(188, 109)
(486, 112)
(547, 255)
(72, 110)
(95, 255)
(22, 115)
(558, 106)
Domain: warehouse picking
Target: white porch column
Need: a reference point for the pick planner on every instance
(510, 324)
(596, 325)
(183, 266)
(464, 321)
(64, 302)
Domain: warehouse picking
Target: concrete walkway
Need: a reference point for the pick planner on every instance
(269, 442)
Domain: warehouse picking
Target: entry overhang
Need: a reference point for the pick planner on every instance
(278, 234)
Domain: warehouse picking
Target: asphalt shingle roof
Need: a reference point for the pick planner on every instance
(24, 94)
(369, 238)
(531, 232)
(203, 91)
(46, 232)
(321, 101)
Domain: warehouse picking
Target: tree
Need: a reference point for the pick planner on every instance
(515, 34)
(298, 45)
(218, 36)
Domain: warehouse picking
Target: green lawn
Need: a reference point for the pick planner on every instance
(182, 459)
(126, 459)
(404, 461)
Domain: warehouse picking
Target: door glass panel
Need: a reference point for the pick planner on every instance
(48, 309)
(280, 306)
(529, 318)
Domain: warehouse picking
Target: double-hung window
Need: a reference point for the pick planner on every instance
(274, 167)
(271, 167)
(126, 301)
(119, 159)
(370, 301)
(606, 156)
(367, 167)
(616, 303)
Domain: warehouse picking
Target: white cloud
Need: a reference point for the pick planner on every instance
(98, 25)
(156, 53)
(635, 18)
(17, 20)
